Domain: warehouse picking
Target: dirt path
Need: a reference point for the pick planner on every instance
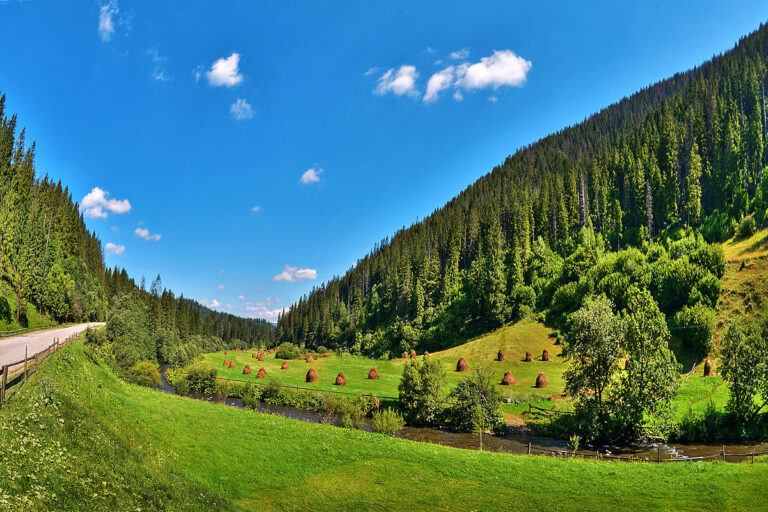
(12, 349)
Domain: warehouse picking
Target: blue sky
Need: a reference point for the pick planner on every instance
(248, 151)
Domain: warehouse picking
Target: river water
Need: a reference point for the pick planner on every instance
(507, 443)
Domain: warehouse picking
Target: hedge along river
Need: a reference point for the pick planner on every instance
(515, 443)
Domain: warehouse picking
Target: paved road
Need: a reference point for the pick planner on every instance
(12, 349)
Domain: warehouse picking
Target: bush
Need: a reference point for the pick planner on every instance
(387, 421)
(747, 228)
(321, 349)
(476, 393)
(201, 377)
(222, 388)
(95, 337)
(251, 402)
(718, 227)
(695, 327)
(177, 378)
(288, 350)
(421, 391)
(144, 373)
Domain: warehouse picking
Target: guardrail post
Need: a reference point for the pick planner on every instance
(3, 384)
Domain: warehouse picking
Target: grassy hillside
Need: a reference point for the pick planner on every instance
(77, 438)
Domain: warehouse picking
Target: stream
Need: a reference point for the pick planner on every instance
(506, 443)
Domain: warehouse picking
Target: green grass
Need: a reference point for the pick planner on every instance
(77, 438)
(8, 322)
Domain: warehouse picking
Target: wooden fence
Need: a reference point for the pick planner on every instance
(5, 334)
(19, 371)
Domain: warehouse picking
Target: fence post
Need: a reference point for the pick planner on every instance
(529, 447)
(658, 453)
(723, 453)
(26, 348)
(3, 383)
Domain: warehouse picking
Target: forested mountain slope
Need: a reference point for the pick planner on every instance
(51, 262)
(676, 162)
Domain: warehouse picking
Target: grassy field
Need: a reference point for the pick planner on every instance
(515, 340)
(77, 438)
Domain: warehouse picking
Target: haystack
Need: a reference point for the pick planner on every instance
(508, 379)
(285, 365)
(541, 380)
(327, 354)
(232, 364)
(260, 355)
(253, 356)
(413, 354)
(462, 366)
(312, 375)
(225, 352)
(373, 374)
(500, 355)
(405, 355)
(310, 359)
(247, 370)
(545, 355)
(708, 368)
(262, 373)
(426, 354)
(226, 362)
(340, 380)
(527, 357)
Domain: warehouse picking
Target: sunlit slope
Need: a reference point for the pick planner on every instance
(77, 438)
(514, 340)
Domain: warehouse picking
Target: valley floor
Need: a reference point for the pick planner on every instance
(77, 438)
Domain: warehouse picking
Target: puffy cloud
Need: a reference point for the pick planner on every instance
(437, 82)
(260, 309)
(502, 68)
(114, 248)
(107, 14)
(371, 71)
(146, 235)
(241, 297)
(214, 304)
(241, 109)
(459, 54)
(256, 208)
(97, 205)
(291, 273)
(311, 175)
(231, 306)
(400, 82)
(225, 72)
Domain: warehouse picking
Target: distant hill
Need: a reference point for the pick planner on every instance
(684, 157)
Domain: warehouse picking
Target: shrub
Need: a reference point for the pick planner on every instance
(222, 388)
(387, 421)
(321, 349)
(177, 378)
(695, 326)
(473, 395)
(250, 402)
(421, 390)
(144, 373)
(718, 227)
(95, 337)
(747, 228)
(202, 377)
(288, 350)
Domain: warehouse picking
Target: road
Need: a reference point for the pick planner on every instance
(12, 349)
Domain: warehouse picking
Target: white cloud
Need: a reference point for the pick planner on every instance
(214, 304)
(429, 49)
(114, 248)
(115, 229)
(260, 309)
(458, 96)
(231, 306)
(256, 208)
(145, 234)
(241, 297)
(96, 204)
(311, 175)
(158, 72)
(291, 274)
(225, 72)
(437, 82)
(241, 109)
(371, 71)
(107, 14)
(459, 54)
(400, 82)
(502, 68)
(493, 98)
(220, 287)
